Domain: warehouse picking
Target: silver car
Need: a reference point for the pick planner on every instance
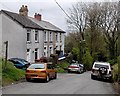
(75, 67)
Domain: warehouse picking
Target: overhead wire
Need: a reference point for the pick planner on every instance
(62, 9)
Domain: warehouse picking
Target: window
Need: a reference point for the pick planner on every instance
(28, 55)
(56, 37)
(45, 36)
(44, 53)
(36, 36)
(60, 47)
(60, 37)
(56, 47)
(44, 48)
(50, 36)
(50, 50)
(37, 66)
(100, 65)
(49, 66)
(36, 53)
(28, 36)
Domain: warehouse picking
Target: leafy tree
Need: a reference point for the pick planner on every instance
(88, 60)
(76, 52)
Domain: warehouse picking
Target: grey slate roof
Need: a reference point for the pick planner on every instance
(22, 20)
(47, 25)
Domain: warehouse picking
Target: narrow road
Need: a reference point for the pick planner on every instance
(65, 84)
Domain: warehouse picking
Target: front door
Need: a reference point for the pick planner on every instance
(28, 55)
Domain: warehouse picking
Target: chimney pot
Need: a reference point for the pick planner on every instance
(37, 16)
(23, 11)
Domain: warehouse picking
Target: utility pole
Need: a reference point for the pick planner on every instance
(119, 31)
(6, 54)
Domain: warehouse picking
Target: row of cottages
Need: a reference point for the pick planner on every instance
(29, 38)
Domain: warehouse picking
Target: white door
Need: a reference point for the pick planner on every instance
(28, 55)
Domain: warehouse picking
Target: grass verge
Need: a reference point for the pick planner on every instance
(116, 78)
(11, 74)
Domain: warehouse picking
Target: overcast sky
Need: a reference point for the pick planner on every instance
(47, 8)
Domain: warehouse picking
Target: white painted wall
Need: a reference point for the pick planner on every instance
(39, 45)
(15, 34)
(0, 35)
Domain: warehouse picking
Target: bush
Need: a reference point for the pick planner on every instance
(115, 72)
(112, 62)
(118, 61)
(88, 60)
(62, 66)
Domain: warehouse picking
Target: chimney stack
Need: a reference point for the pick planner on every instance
(38, 16)
(23, 10)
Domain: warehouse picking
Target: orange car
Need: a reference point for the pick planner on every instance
(44, 71)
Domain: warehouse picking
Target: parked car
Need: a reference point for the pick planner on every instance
(75, 67)
(43, 71)
(19, 63)
(82, 67)
(101, 70)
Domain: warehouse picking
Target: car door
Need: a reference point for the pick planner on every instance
(49, 70)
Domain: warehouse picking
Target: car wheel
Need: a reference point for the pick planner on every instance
(47, 78)
(111, 80)
(79, 72)
(55, 76)
(68, 71)
(92, 77)
(103, 70)
(28, 79)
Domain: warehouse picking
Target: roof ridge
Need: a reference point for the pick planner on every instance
(22, 20)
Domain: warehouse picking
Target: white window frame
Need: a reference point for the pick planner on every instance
(56, 37)
(50, 36)
(45, 36)
(50, 50)
(36, 36)
(60, 37)
(37, 53)
(28, 38)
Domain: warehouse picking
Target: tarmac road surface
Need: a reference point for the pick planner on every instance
(66, 83)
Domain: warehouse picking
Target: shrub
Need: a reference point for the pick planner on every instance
(62, 66)
(118, 61)
(113, 61)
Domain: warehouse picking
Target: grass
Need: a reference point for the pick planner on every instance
(11, 74)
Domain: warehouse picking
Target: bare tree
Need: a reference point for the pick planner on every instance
(109, 26)
(78, 19)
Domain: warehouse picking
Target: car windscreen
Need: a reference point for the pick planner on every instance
(100, 65)
(36, 66)
(74, 64)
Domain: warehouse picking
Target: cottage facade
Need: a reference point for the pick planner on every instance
(29, 38)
